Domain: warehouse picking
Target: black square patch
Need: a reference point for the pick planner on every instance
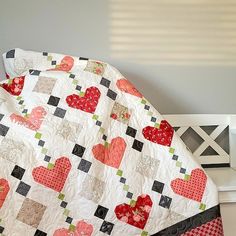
(69, 220)
(111, 94)
(101, 212)
(47, 158)
(122, 180)
(63, 204)
(1, 116)
(34, 72)
(23, 188)
(165, 201)
(41, 143)
(129, 195)
(3, 130)
(106, 227)
(78, 150)
(182, 170)
(40, 233)
(137, 145)
(59, 112)
(158, 186)
(1, 229)
(175, 157)
(105, 82)
(84, 166)
(10, 54)
(131, 131)
(53, 101)
(18, 172)
(153, 119)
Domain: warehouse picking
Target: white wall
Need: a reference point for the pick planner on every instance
(228, 212)
(84, 28)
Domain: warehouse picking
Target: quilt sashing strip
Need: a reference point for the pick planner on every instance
(85, 153)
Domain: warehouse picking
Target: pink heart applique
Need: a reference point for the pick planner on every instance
(53, 178)
(135, 215)
(4, 189)
(193, 188)
(66, 64)
(111, 155)
(15, 87)
(33, 121)
(82, 229)
(162, 135)
(87, 103)
(127, 87)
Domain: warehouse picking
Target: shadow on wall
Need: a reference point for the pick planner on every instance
(157, 96)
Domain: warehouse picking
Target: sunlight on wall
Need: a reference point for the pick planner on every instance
(174, 31)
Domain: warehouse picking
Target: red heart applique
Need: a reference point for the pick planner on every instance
(111, 155)
(4, 189)
(53, 178)
(33, 121)
(66, 64)
(15, 86)
(87, 103)
(127, 87)
(136, 215)
(82, 229)
(193, 188)
(162, 135)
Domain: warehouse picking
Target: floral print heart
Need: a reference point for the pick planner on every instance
(127, 87)
(135, 215)
(88, 102)
(4, 189)
(33, 121)
(162, 135)
(66, 64)
(82, 229)
(193, 188)
(54, 178)
(15, 86)
(111, 154)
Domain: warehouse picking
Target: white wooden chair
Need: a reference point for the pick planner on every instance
(212, 139)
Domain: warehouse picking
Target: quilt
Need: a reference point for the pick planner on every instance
(83, 152)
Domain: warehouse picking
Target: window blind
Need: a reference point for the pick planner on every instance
(174, 31)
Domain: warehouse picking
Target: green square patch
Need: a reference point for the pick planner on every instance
(66, 212)
(75, 82)
(157, 125)
(38, 135)
(178, 163)
(132, 203)
(61, 196)
(72, 228)
(126, 187)
(186, 177)
(119, 172)
(202, 206)
(50, 166)
(172, 150)
(81, 94)
(144, 233)
(143, 101)
(49, 58)
(102, 130)
(44, 150)
(95, 117)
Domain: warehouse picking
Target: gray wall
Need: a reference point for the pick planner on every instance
(82, 28)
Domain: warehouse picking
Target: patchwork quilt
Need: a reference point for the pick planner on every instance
(82, 153)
